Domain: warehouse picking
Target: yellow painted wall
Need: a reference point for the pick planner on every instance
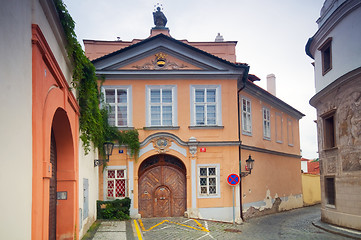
(311, 189)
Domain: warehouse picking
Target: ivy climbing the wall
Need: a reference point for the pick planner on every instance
(93, 121)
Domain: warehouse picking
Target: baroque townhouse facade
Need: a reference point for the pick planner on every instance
(198, 113)
(336, 50)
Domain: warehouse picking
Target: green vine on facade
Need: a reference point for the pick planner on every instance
(93, 121)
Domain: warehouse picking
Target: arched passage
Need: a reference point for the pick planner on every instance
(162, 187)
(65, 175)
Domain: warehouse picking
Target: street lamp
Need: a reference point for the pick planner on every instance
(249, 165)
(108, 149)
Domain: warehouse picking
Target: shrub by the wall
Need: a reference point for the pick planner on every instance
(117, 209)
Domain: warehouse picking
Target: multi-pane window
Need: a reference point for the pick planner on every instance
(266, 123)
(246, 117)
(117, 99)
(161, 106)
(116, 183)
(205, 106)
(208, 181)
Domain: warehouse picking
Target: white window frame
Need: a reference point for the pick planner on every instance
(128, 89)
(218, 104)
(105, 182)
(266, 123)
(217, 176)
(246, 117)
(173, 88)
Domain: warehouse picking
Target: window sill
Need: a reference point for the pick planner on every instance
(330, 149)
(209, 196)
(162, 128)
(125, 128)
(247, 134)
(266, 138)
(206, 127)
(330, 206)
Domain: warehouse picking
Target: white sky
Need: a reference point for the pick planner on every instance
(271, 36)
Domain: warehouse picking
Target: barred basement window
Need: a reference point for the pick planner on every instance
(208, 181)
(116, 183)
(330, 190)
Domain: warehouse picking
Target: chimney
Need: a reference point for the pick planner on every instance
(271, 84)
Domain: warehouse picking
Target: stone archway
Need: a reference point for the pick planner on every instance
(162, 187)
(66, 177)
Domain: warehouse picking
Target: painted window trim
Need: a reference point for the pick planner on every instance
(128, 88)
(244, 132)
(105, 187)
(218, 88)
(281, 118)
(290, 136)
(218, 181)
(148, 88)
(269, 123)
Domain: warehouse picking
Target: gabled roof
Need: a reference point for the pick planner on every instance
(165, 39)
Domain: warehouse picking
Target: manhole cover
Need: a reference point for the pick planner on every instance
(232, 230)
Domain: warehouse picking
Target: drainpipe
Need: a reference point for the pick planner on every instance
(244, 80)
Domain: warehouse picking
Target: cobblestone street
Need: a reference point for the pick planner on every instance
(295, 224)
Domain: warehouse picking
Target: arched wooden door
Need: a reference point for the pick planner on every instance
(52, 190)
(162, 187)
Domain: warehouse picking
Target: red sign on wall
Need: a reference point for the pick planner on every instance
(203, 149)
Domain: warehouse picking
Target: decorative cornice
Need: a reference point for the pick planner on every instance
(324, 30)
(344, 79)
(188, 143)
(39, 40)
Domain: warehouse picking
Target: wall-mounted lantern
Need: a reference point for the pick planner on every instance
(108, 150)
(249, 165)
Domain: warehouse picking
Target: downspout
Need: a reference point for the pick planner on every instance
(244, 80)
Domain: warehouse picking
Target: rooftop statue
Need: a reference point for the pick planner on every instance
(159, 18)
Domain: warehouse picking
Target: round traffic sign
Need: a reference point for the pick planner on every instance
(233, 179)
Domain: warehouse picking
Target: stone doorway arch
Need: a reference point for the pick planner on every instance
(162, 187)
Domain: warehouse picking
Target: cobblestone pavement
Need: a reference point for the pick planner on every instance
(294, 224)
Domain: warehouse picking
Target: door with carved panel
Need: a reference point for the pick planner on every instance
(162, 187)
(162, 202)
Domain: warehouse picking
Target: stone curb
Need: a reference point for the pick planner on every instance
(337, 230)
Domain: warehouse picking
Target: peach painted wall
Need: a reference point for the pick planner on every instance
(229, 108)
(257, 128)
